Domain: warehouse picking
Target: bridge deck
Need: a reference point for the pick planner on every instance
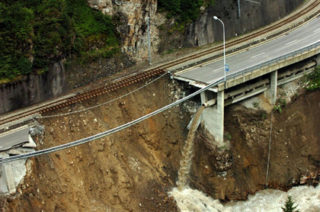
(254, 57)
(14, 138)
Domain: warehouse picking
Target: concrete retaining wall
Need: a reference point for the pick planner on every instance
(32, 89)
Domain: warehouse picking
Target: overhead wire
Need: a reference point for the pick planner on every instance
(108, 132)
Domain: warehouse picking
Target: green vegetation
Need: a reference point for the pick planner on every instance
(264, 115)
(184, 11)
(255, 104)
(36, 33)
(281, 103)
(289, 206)
(313, 79)
(227, 136)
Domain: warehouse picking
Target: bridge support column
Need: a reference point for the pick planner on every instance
(220, 116)
(204, 98)
(213, 119)
(7, 178)
(318, 60)
(273, 87)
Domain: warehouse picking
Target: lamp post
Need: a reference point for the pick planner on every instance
(239, 10)
(224, 48)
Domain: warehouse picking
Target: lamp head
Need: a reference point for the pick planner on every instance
(215, 17)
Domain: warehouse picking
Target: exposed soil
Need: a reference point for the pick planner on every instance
(134, 169)
(295, 151)
(129, 171)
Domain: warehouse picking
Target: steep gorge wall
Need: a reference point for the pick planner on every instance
(132, 16)
(132, 19)
(205, 30)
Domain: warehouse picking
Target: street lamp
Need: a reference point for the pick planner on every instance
(224, 48)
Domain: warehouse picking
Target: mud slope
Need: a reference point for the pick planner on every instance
(295, 150)
(128, 171)
(134, 169)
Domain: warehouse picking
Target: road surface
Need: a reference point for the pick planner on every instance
(304, 36)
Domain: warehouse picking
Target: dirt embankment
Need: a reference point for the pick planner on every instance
(295, 150)
(134, 169)
(128, 171)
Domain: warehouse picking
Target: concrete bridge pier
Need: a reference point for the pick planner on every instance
(213, 116)
(272, 92)
(7, 184)
(317, 59)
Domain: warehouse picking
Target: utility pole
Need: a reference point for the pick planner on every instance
(239, 10)
(149, 39)
(251, 1)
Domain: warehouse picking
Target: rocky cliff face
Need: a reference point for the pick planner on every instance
(132, 19)
(253, 15)
(131, 16)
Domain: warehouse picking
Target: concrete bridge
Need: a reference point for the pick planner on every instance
(253, 71)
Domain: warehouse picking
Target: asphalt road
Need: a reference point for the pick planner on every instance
(14, 138)
(301, 37)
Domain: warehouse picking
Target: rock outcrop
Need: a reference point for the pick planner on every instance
(132, 20)
(253, 15)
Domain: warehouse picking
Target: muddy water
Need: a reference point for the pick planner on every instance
(306, 198)
(187, 152)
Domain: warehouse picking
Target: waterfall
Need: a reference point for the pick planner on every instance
(187, 152)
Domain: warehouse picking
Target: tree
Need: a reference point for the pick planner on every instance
(313, 79)
(289, 206)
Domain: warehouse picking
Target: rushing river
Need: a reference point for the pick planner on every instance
(306, 198)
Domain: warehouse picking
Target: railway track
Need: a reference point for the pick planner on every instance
(138, 77)
(85, 96)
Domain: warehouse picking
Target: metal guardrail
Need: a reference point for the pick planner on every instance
(275, 60)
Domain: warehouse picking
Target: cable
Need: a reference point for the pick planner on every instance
(108, 132)
(99, 105)
(269, 151)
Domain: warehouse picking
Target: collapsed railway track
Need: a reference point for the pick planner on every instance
(61, 103)
(141, 76)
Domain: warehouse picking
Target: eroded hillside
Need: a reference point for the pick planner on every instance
(129, 171)
(134, 169)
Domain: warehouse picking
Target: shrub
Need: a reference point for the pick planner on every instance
(289, 206)
(36, 33)
(277, 108)
(281, 103)
(313, 79)
(184, 11)
(15, 36)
